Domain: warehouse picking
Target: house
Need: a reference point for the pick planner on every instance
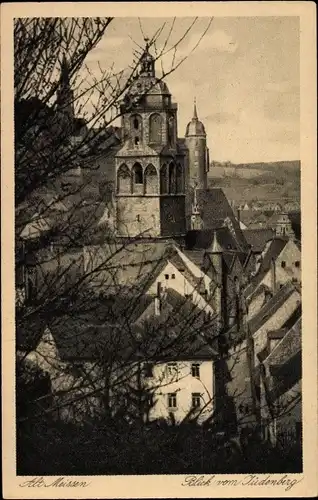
(142, 265)
(257, 205)
(272, 206)
(279, 263)
(286, 224)
(144, 355)
(281, 378)
(240, 366)
(291, 206)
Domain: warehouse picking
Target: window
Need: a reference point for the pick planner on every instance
(166, 276)
(138, 174)
(297, 263)
(136, 123)
(172, 178)
(137, 141)
(155, 127)
(173, 276)
(195, 370)
(172, 370)
(172, 400)
(196, 400)
(138, 218)
(148, 370)
(283, 264)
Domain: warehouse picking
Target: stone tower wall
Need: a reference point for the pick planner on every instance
(197, 161)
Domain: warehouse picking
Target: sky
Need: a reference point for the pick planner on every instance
(244, 75)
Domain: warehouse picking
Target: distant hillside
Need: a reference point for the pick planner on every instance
(249, 170)
(294, 164)
(257, 181)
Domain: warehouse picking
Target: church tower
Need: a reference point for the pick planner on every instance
(150, 166)
(65, 94)
(195, 139)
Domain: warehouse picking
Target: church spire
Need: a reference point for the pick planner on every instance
(65, 96)
(147, 62)
(195, 114)
(65, 72)
(216, 247)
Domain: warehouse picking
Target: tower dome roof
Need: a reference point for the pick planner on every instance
(195, 127)
(146, 82)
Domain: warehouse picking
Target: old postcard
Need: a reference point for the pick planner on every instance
(158, 249)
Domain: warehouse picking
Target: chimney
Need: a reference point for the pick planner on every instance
(273, 276)
(158, 300)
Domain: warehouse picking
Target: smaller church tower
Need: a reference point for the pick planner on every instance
(195, 139)
(65, 94)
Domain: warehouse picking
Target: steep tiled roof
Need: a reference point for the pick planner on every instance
(196, 256)
(215, 209)
(257, 238)
(203, 239)
(128, 264)
(274, 249)
(266, 312)
(275, 246)
(125, 328)
(272, 221)
(288, 346)
(270, 308)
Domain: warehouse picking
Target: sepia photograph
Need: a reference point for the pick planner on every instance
(157, 248)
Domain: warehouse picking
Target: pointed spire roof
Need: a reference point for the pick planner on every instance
(65, 70)
(195, 113)
(216, 246)
(195, 127)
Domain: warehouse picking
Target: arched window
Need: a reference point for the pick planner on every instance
(138, 178)
(179, 179)
(171, 130)
(136, 123)
(136, 129)
(172, 178)
(163, 179)
(123, 179)
(151, 179)
(155, 129)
